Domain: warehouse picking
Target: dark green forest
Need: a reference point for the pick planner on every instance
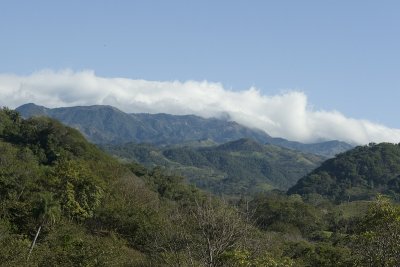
(65, 202)
(357, 174)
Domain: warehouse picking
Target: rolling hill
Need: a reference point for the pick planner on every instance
(357, 174)
(238, 167)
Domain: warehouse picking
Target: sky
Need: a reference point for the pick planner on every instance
(303, 70)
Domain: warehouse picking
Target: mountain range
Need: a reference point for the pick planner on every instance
(109, 125)
(225, 157)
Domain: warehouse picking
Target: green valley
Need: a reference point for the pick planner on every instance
(241, 167)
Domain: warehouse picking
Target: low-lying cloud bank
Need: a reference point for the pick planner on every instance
(286, 115)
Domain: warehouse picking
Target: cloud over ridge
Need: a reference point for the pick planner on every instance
(286, 115)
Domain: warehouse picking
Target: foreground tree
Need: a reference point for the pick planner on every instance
(219, 229)
(377, 242)
(47, 212)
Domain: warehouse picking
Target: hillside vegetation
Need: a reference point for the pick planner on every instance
(64, 202)
(240, 167)
(358, 174)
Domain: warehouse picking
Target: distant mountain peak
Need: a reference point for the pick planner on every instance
(32, 110)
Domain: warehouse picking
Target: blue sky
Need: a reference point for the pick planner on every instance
(344, 55)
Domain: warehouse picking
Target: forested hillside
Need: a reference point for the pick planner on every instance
(236, 168)
(360, 173)
(64, 202)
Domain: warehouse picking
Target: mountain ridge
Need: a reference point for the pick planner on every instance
(106, 124)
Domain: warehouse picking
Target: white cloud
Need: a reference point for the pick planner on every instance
(286, 115)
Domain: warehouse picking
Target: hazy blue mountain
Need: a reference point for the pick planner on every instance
(106, 124)
(239, 167)
(328, 149)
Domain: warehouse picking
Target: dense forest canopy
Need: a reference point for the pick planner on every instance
(360, 173)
